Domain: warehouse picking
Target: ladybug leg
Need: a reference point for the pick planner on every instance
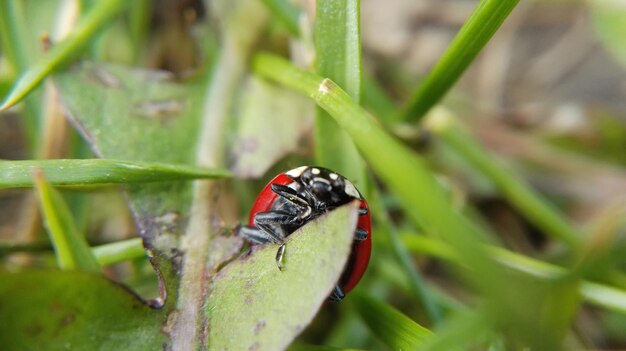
(254, 235)
(275, 217)
(292, 196)
(337, 294)
(280, 254)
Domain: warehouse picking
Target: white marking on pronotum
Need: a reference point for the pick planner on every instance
(333, 176)
(351, 190)
(315, 171)
(296, 172)
(321, 180)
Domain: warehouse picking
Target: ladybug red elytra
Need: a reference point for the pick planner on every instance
(295, 197)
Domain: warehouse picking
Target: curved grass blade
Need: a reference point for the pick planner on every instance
(103, 12)
(17, 174)
(528, 202)
(54, 310)
(597, 294)
(251, 303)
(487, 17)
(70, 246)
(391, 326)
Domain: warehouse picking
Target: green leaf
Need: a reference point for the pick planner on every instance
(608, 20)
(138, 115)
(391, 326)
(487, 17)
(141, 115)
(272, 121)
(338, 56)
(15, 174)
(60, 310)
(70, 246)
(60, 53)
(253, 305)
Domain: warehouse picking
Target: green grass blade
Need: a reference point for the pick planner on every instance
(70, 246)
(15, 45)
(119, 251)
(391, 326)
(475, 33)
(417, 283)
(12, 28)
(598, 294)
(286, 12)
(535, 208)
(14, 174)
(60, 53)
(338, 55)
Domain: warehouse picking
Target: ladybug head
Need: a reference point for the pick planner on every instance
(327, 186)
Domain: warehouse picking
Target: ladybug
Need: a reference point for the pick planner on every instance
(294, 198)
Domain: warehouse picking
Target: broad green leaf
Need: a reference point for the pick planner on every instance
(61, 310)
(338, 57)
(487, 17)
(15, 174)
(70, 246)
(60, 53)
(608, 20)
(391, 326)
(138, 115)
(251, 303)
(271, 123)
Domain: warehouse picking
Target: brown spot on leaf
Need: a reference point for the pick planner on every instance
(260, 325)
(255, 346)
(159, 109)
(106, 78)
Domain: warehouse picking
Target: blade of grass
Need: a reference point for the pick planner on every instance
(286, 12)
(15, 46)
(338, 56)
(14, 174)
(95, 20)
(531, 204)
(487, 17)
(138, 23)
(70, 246)
(391, 326)
(417, 284)
(119, 251)
(598, 294)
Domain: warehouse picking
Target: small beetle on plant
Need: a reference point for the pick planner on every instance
(294, 198)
